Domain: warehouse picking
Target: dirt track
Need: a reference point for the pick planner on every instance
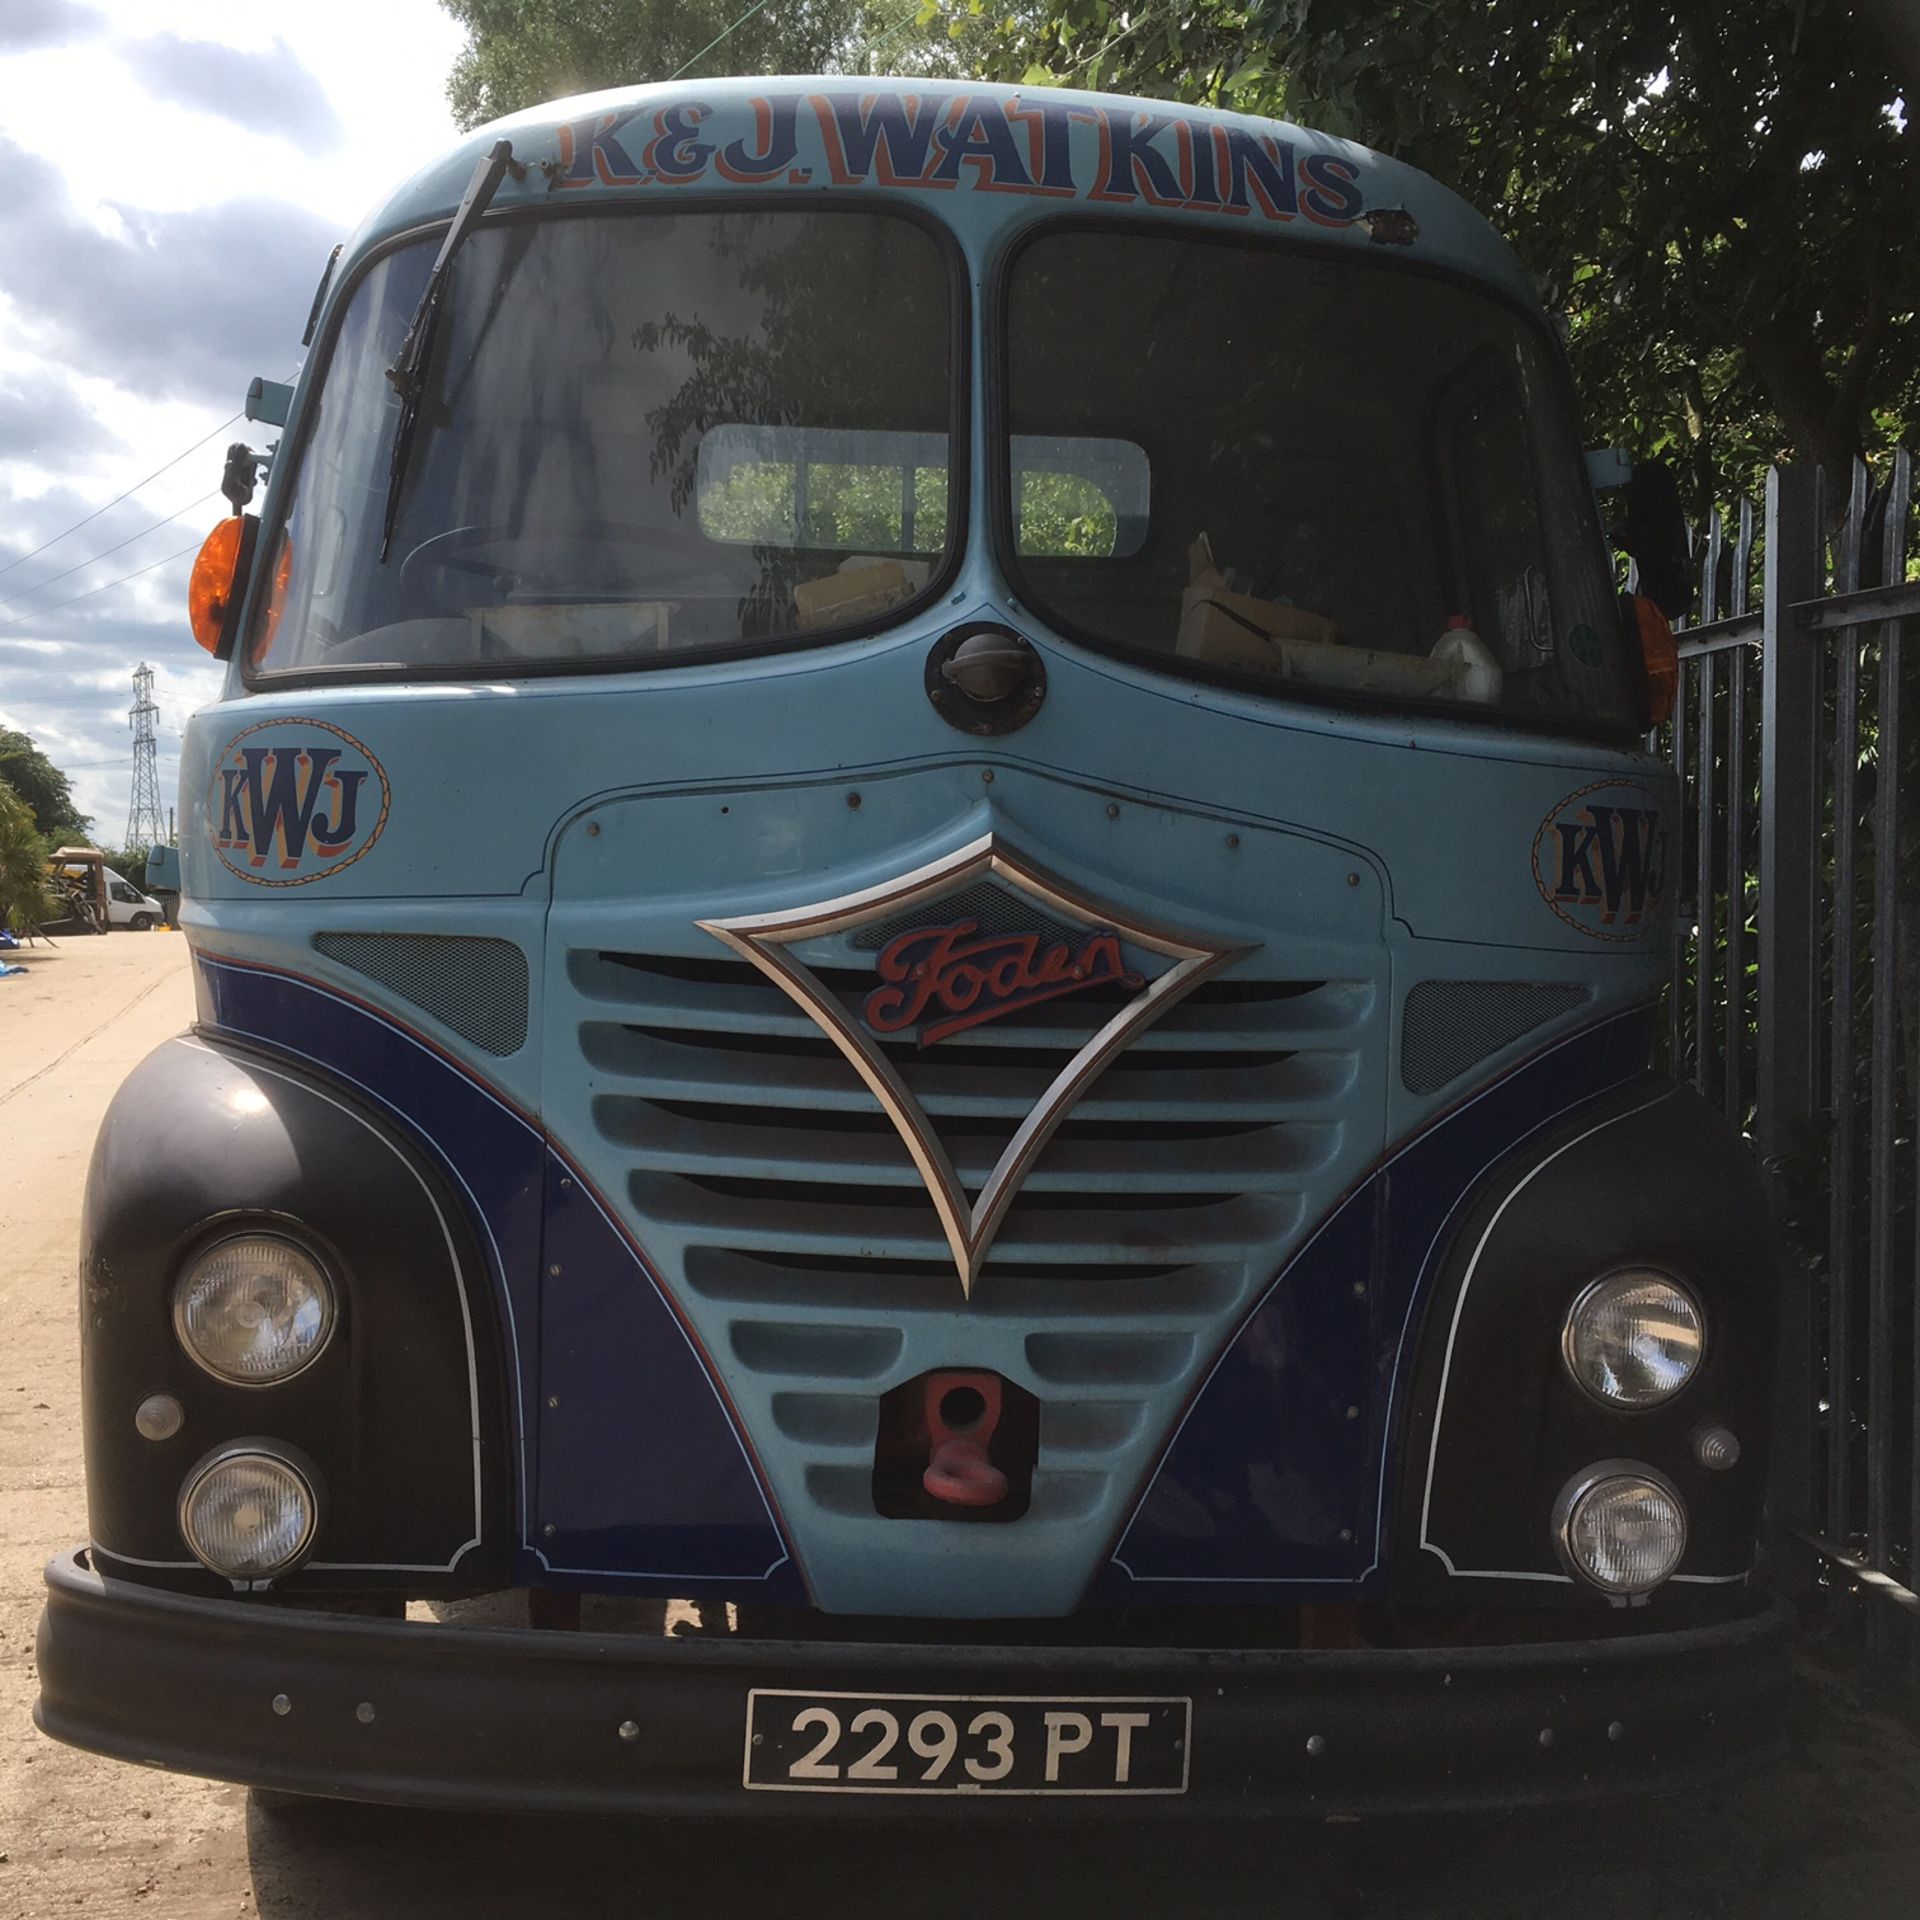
(1835, 1830)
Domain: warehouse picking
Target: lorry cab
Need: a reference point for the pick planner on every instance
(927, 908)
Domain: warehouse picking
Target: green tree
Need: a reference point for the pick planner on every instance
(26, 899)
(45, 789)
(1718, 197)
(521, 52)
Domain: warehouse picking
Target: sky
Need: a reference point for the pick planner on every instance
(173, 175)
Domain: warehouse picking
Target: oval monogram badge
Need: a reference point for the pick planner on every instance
(1600, 859)
(292, 801)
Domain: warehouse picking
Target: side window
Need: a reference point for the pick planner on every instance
(124, 893)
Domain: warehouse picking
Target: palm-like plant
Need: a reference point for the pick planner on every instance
(26, 893)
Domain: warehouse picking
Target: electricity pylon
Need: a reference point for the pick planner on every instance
(144, 828)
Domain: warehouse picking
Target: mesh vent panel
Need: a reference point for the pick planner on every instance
(478, 988)
(1452, 1025)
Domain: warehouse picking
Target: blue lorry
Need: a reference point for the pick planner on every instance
(927, 908)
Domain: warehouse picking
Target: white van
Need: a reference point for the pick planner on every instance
(127, 906)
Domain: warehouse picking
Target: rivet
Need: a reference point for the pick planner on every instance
(282, 1705)
(364, 1713)
(1359, 1289)
(553, 1399)
(566, 1185)
(593, 829)
(1316, 1745)
(986, 774)
(629, 1730)
(853, 802)
(1233, 839)
(1346, 1533)
(159, 1417)
(1615, 1730)
(1353, 879)
(1353, 1413)
(1546, 1736)
(759, 1739)
(553, 1272)
(548, 1529)
(1113, 812)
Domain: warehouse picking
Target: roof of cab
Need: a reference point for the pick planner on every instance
(985, 158)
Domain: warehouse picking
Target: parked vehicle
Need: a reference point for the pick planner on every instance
(128, 907)
(80, 883)
(928, 911)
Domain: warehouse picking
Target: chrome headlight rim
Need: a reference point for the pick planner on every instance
(1586, 1482)
(1629, 1271)
(290, 1236)
(287, 1458)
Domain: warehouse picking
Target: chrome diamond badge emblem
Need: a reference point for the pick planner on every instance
(941, 970)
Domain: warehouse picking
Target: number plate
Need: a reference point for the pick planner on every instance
(801, 1742)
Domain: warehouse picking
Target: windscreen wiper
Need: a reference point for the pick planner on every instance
(409, 370)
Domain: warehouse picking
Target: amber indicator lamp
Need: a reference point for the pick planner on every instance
(219, 582)
(1659, 659)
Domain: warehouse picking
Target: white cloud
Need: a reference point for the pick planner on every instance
(162, 248)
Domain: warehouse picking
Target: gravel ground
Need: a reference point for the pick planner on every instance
(1834, 1829)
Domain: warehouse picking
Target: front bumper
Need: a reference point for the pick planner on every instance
(503, 1719)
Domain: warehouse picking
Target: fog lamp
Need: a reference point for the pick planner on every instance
(1633, 1339)
(254, 1309)
(248, 1514)
(1620, 1527)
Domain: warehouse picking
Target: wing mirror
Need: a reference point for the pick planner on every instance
(1653, 529)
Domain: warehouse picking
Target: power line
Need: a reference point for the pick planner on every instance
(115, 501)
(725, 33)
(105, 553)
(40, 613)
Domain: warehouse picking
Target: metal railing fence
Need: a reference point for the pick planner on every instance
(1795, 993)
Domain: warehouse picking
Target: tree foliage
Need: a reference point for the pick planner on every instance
(49, 798)
(26, 898)
(521, 52)
(1715, 196)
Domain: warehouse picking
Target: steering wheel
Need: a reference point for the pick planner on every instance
(453, 552)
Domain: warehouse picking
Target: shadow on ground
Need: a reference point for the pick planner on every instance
(1831, 1828)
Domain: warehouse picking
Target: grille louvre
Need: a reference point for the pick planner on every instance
(476, 987)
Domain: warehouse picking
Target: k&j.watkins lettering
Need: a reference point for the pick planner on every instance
(1012, 146)
(1613, 858)
(965, 981)
(271, 801)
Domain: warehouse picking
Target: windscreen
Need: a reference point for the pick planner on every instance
(1364, 482)
(549, 512)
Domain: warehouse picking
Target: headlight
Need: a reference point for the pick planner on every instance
(1633, 1339)
(254, 1309)
(248, 1515)
(1620, 1527)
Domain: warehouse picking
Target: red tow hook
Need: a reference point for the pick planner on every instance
(962, 1410)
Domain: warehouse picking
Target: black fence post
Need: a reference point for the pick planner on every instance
(1786, 1100)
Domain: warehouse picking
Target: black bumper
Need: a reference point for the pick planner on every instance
(482, 1718)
